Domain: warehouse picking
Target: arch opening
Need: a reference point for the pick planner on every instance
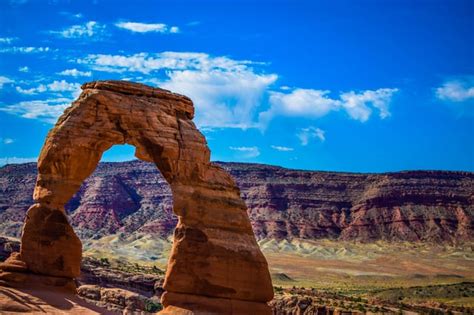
(125, 199)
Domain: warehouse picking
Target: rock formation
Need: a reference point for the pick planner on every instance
(215, 264)
(432, 206)
(429, 206)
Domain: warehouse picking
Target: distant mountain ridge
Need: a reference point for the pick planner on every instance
(129, 197)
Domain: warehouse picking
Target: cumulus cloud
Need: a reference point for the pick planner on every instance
(224, 98)
(4, 80)
(247, 152)
(75, 73)
(138, 27)
(226, 92)
(359, 105)
(63, 86)
(307, 134)
(456, 90)
(300, 102)
(44, 110)
(311, 103)
(91, 29)
(23, 69)
(281, 148)
(56, 86)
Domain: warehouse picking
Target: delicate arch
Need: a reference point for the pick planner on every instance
(216, 265)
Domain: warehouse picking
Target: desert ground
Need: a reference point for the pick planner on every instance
(394, 273)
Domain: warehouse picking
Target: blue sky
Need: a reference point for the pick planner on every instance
(360, 86)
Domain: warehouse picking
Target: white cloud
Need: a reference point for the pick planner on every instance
(207, 129)
(147, 27)
(7, 40)
(75, 73)
(281, 148)
(26, 50)
(357, 104)
(17, 160)
(307, 134)
(311, 103)
(39, 89)
(23, 69)
(7, 140)
(90, 30)
(63, 86)
(226, 92)
(300, 102)
(174, 29)
(456, 90)
(44, 110)
(55, 86)
(247, 152)
(146, 63)
(4, 80)
(223, 98)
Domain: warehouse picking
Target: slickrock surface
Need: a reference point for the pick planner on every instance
(434, 206)
(215, 263)
(40, 300)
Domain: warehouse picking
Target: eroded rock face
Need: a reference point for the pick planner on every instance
(427, 206)
(215, 263)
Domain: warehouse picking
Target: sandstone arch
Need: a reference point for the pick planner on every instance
(216, 265)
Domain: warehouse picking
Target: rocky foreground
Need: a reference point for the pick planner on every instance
(115, 287)
(129, 197)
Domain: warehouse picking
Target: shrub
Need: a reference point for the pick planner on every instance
(153, 307)
(278, 289)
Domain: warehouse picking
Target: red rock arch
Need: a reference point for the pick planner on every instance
(216, 265)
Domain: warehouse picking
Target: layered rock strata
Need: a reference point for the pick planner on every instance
(132, 198)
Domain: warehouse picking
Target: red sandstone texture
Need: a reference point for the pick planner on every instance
(215, 264)
(434, 206)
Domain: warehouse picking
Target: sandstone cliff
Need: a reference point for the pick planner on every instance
(133, 196)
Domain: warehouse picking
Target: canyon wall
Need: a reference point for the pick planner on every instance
(434, 206)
